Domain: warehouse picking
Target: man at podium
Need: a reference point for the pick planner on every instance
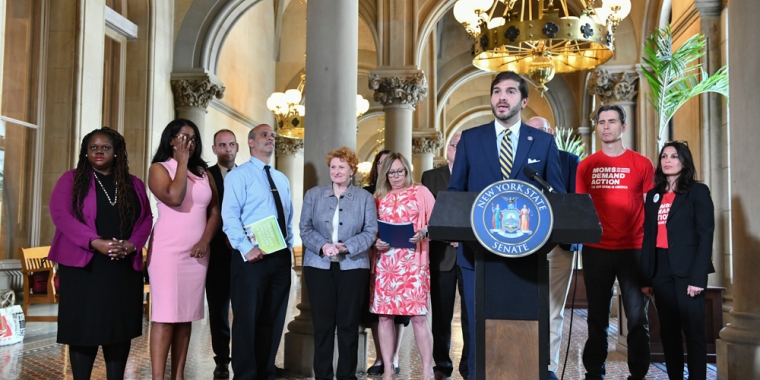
(497, 151)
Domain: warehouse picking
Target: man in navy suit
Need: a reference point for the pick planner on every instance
(561, 258)
(477, 165)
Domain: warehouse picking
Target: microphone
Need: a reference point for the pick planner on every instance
(534, 176)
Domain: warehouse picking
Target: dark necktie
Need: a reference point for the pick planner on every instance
(277, 203)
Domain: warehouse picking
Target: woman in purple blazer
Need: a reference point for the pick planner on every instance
(102, 219)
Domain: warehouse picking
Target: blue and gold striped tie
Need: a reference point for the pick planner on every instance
(505, 154)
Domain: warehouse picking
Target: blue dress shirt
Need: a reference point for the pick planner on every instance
(248, 198)
(501, 130)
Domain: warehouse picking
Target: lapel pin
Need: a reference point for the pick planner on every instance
(530, 138)
(656, 198)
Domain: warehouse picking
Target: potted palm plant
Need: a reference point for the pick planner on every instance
(568, 141)
(676, 76)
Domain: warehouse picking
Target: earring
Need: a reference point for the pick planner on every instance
(115, 156)
(86, 155)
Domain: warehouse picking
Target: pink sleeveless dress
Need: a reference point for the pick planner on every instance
(177, 280)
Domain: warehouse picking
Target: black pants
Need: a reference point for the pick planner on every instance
(218, 297)
(443, 288)
(336, 299)
(259, 293)
(679, 312)
(83, 357)
(600, 267)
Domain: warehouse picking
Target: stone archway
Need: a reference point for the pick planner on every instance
(202, 33)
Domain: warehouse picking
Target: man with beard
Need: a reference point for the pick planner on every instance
(497, 151)
(218, 276)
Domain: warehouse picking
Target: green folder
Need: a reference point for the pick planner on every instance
(266, 234)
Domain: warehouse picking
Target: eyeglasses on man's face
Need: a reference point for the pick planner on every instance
(397, 173)
(453, 146)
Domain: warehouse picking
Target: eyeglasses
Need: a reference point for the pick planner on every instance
(453, 146)
(397, 173)
(684, 142)
(193, 139)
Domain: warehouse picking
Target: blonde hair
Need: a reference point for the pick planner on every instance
(346, 155)
(383, 185)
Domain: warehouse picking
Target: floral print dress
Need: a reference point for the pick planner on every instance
(401, 282)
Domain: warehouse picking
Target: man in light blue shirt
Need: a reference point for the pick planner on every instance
(259, 281)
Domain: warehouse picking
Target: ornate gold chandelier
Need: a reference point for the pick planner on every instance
(289, 112)
(540, 42)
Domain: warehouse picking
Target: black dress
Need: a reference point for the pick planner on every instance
(101, 303)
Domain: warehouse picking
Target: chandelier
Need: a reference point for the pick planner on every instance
(540, 42)
(289, 112)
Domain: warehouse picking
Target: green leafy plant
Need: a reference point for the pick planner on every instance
(570, 142)
(676, 76)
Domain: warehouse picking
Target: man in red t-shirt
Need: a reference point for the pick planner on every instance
(617, 179)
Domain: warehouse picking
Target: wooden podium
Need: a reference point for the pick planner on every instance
(511, 336)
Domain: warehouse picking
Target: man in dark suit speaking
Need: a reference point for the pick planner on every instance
(445, 279)
(496, 151)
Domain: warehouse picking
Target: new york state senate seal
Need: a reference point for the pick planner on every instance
(512, 218)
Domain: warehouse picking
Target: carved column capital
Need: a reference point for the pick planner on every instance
(614, 87)
(709, 7)
(284, 146)
(394, 87)
(426, 142)
(195, 92)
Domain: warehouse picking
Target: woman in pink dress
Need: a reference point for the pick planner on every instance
(188, 217)
(401, 276)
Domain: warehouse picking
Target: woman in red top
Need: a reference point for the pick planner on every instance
(676, 257)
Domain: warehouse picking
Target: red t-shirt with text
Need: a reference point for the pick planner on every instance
(617, 186)
(662, 219)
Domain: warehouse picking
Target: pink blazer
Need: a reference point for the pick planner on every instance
(71, 243)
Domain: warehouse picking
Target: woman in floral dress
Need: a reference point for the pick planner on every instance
(401, 276)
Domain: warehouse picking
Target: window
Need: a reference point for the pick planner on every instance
(19, 127)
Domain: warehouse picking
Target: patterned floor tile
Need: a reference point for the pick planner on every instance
(40, 357)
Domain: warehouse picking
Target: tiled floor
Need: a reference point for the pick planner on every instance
(40, 357)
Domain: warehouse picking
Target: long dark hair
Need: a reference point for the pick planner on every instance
(83, 178)
(688, 171)
(195, 164)
(373, 172)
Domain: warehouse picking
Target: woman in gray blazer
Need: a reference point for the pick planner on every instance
(338, 226)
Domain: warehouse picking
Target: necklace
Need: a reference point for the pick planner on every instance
(115, 191)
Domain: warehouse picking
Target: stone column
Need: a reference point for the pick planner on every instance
(330, 123)
(739, 345)
(285, 150)
(620, 89)
(424, 145)
(398, 91)
(192, 93)
(715, 141)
